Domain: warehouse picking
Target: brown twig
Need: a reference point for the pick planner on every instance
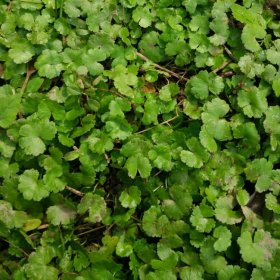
(229, 53)
(29, 71)
(44, 226)
(162, 123)
(15, 246)
(140, 55)
(91, 230)
(224, 65)
(74, 191)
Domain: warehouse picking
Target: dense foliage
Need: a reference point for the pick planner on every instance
(139, 139)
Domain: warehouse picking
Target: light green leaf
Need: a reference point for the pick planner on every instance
(201, 218)
(149, 46)
(60, 214)
(250, 34)
(191, 159)
(49, 64)
(207, 141)
(143, 16)
(161, 157)
(272, 54)
(259, 171)
(31, 187)
(258, 251)
(224, 211)
(191, 273)
(242, 197)
(249, 67)
(96, 206)
(33, 134)
(214, 125)
(168, 92)
(21, 51)
(153, 222)
(130, 198)
(41, 272)
(253, 102)
(272, 203)
(9, 105)
(276, 85)
(271, 125)
(223, 236)
(123, 249)
(140, 164)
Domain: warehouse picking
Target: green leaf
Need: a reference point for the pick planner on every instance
(242, 197)
(130, 198)
(7, 214)
(96, 206)
(41, 272)
(31, 224)
(232, 271)
(254, 26)
(161, 275)
(191, 272)
(49, 64)
(123, 249)
(272, 54)
(276, 85)
(151, 112)
(168, 263)
(224, 211)
(201, 218)
(250, 34)
(242, 14)
(258, 251)
(60, 214)
(199, 85)
(247, 133)
(168, 92)
(259, 171)
(118, 128)
(21, 51)
(143, 16)
(272, 203)
(9, 105)
(31, 187)
(153, 222)
(42, 255)
(253, 102)
(214, 125)
(223, 236)
(249, 67)
(161, 157)
(271, 125)
(33, 134)
(181, 50)
(191, 159)
(140, 164)
(207, 141)
(149, 46)
(7, 147)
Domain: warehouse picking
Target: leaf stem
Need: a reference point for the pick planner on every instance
(143, 57)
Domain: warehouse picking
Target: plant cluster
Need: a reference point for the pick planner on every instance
(139, 139)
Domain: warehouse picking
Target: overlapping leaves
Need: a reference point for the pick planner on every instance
(142, 130)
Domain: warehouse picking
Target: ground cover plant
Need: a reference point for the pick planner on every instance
(139, 139)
